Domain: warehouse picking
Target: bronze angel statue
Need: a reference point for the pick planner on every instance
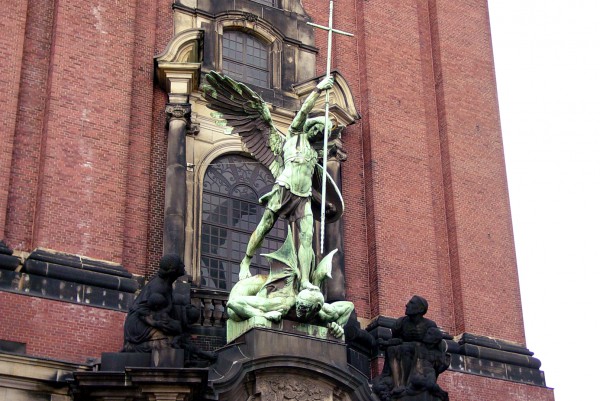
(291, 158)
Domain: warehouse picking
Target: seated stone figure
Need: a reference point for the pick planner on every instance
(414, 357)
(159, 320)
(150, 324)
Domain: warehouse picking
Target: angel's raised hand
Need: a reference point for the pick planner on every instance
(326, 83)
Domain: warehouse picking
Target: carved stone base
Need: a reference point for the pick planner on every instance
(276, 387)
(277, 365)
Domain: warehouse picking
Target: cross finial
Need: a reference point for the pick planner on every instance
(330, 30)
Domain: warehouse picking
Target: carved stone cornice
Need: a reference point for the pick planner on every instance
(177, 68)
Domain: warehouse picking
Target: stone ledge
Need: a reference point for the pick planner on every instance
(7, 260)
(79, 269)
(140, 384)
(65, 291)
(38, 370)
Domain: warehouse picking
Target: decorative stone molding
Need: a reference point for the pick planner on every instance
(290, 388)
(178, 66)
(147, 384)
(341, 100)
(28, 378)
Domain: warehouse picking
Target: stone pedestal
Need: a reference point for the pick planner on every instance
(290, 361)
(287, 361)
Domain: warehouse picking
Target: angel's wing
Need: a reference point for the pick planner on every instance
(242, 109)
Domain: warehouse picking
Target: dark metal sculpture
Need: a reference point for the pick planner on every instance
(414, 358)
(159, 320)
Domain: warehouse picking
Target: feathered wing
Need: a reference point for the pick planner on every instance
(237, 106)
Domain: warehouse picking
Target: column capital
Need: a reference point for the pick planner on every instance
(178, 111)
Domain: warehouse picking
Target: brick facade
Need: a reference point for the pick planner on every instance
(82, 166)
(59, 330)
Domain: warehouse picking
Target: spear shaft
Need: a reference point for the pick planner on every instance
(330, 32)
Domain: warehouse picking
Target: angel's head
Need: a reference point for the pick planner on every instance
(315, 126)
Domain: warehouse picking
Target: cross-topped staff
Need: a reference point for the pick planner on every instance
(330, 30)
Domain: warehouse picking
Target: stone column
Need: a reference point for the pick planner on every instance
(178, 74)
(178, 120)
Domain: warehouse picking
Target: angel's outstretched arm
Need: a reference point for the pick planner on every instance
(309, 103)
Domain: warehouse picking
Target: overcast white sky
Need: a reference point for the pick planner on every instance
(547, 55)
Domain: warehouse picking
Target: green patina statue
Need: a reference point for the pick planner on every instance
(293, 161)
(278, 295)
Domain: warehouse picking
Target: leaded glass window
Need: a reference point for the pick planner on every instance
(245, 58)
(230, 212)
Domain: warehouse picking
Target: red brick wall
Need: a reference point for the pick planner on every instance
(30, 128)
(425, 174)
(482, 244)
(12, 39)
(82, 199)
(463, 387)
(60, 330)
(83, 137)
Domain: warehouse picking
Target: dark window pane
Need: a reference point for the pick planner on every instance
(230, 212)
(245, 58)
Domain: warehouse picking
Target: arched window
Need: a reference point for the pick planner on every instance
(232, 186)
(245, 58)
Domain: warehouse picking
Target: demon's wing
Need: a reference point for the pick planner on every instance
(239, 107)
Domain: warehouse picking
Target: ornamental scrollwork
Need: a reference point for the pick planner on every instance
(178, 111)
(288, 389)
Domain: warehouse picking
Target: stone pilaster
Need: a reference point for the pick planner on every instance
(178, 121)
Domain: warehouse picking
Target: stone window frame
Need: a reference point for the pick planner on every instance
(260, 264)
(252, 25)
